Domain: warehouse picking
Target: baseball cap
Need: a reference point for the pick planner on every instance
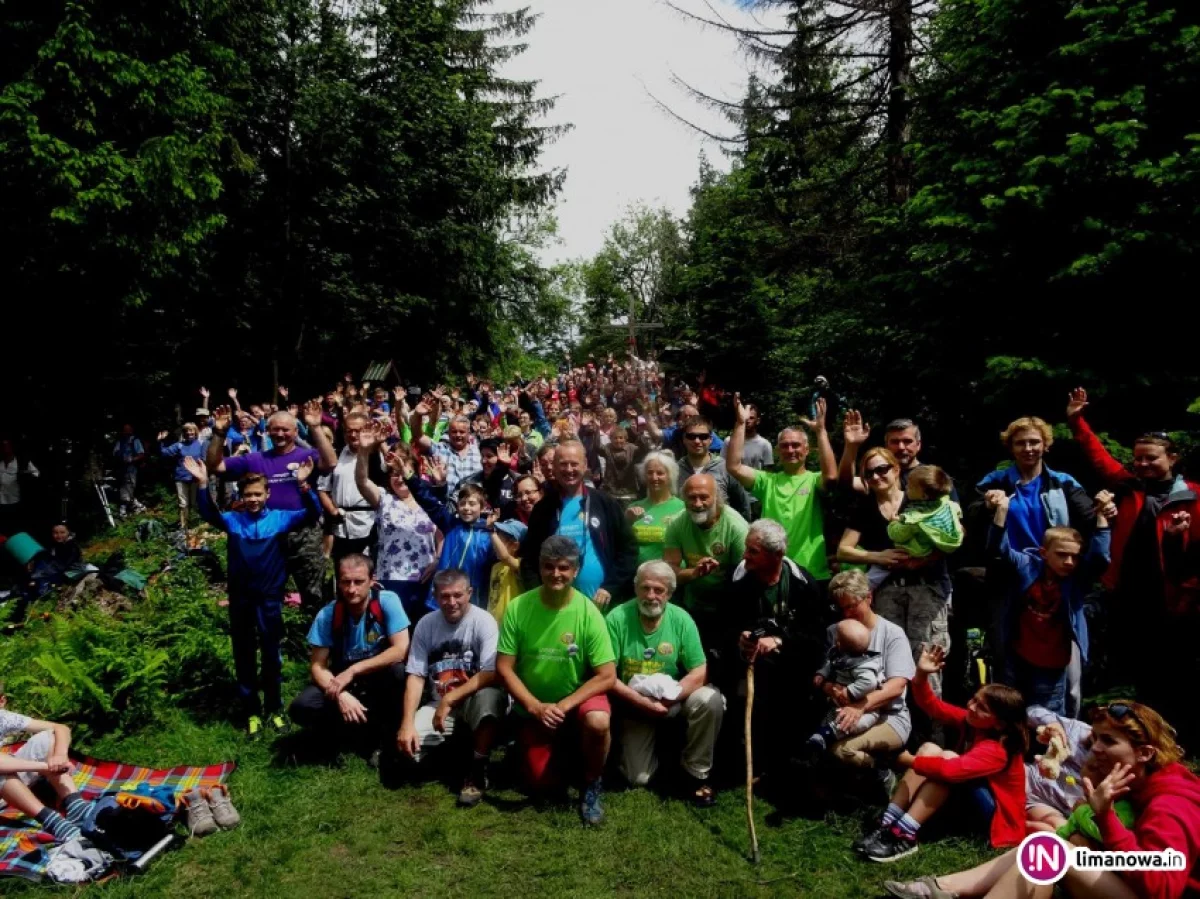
(512, 528)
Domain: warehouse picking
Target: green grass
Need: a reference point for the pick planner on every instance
(333, 830)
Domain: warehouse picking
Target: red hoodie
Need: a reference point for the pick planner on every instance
(984, 759)
(1168, 807)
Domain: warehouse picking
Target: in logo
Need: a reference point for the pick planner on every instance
(648, 653)
(1043, 858)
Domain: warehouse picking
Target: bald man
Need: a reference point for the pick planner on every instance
(306, 562)
(703, 547)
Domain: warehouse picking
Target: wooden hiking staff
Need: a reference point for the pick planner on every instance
(750, 763)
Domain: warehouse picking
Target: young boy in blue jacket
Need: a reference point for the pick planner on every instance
(257, 574)
(1044, 625)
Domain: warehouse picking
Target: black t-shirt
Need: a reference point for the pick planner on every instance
(866, 518)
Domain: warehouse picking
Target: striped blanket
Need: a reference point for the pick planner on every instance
(24, 845)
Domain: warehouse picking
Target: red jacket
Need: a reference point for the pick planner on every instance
(1168, 807)
(1182, 584)
(985, 758)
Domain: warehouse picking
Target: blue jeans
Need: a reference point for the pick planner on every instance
(412, 596)
(1040, 686)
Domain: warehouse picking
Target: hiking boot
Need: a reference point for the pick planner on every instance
(254, 727)
(925, 888)
(200, 820)
(590, 809)
(223, 812)
(891, 847)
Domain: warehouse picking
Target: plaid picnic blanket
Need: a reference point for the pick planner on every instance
(24, 845)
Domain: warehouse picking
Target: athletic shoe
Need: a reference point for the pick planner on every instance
(867, 840)
(590, 809)
(892, 846)
(254, 727)
(200, 820)
(223, 812)
(278, 723)
(925, 888)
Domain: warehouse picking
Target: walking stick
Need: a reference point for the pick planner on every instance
(750, 763)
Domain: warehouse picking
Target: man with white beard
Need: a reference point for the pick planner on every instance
(704, 547)
(658, 640)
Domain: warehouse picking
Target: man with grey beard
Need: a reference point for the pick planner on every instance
(703, 547)
(661, 670)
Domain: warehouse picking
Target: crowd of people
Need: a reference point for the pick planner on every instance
(580, 564)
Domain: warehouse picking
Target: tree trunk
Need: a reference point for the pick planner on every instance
(900, 36)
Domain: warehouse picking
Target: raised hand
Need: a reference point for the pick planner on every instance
(437, 471)
(221, 418)
(855, 431)
(1076, 401)
(368, 439)
(1116, 785)
(504, 454)
(232, 391)
(933, 657)
(740, 412)
(204, 393)
(196, 469)
(398, 394)
(283, 391)
(312, 413)
(422, 409)
(818, 423)
(162, 435)
(304, 470)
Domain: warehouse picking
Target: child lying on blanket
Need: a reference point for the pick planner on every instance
(43, 755)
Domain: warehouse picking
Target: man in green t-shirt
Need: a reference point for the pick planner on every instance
(653, 638)
(556, 659)
(791, 495)
(703, 547)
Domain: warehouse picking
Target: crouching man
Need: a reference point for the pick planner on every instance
(658, 640)
(556, 660)
(453, 663)
(359, 644)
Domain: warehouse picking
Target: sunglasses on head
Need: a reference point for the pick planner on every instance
(878, 472)
(698, 436)
(1119, 711)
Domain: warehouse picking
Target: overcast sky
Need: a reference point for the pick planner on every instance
(604, 59)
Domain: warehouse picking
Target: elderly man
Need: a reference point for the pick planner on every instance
(873, 748)
(791, 495)
(698, 437)
(355, 519)
(556, 659)
(453, 663)
(592, 519)
(306, 562)
(652, 636)
(774, 617)
(702, 548)
(359, 643)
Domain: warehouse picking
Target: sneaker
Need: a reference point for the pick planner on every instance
(471, 793)
(223, 812)
(868, 840)
(892, 846)
(278, 723)
(200, 820)
(925, 888)
(590, 809)
(254, 727)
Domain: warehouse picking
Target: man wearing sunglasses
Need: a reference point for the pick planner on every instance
(791, 495)
(698, 439)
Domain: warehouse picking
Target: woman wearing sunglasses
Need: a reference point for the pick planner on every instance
(1154, 578)
(1136, 760)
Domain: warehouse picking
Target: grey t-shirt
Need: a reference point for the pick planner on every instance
(890, 641)
(757, 452)
(448, 655)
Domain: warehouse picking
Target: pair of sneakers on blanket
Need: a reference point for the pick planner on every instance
(209, 809)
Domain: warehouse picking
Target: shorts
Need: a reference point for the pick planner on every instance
(36, 749)
(546, 754)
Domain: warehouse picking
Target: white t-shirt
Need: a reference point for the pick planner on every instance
(448, 655)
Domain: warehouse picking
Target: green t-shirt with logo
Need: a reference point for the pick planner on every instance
(673, 649)
(794, 501)
(725, 541)
(556, 650)
(650, 531)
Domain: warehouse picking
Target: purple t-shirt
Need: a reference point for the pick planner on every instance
(279, 468)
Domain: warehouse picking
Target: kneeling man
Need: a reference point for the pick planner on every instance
(661, 674)
(556, 660)
(453, 662)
